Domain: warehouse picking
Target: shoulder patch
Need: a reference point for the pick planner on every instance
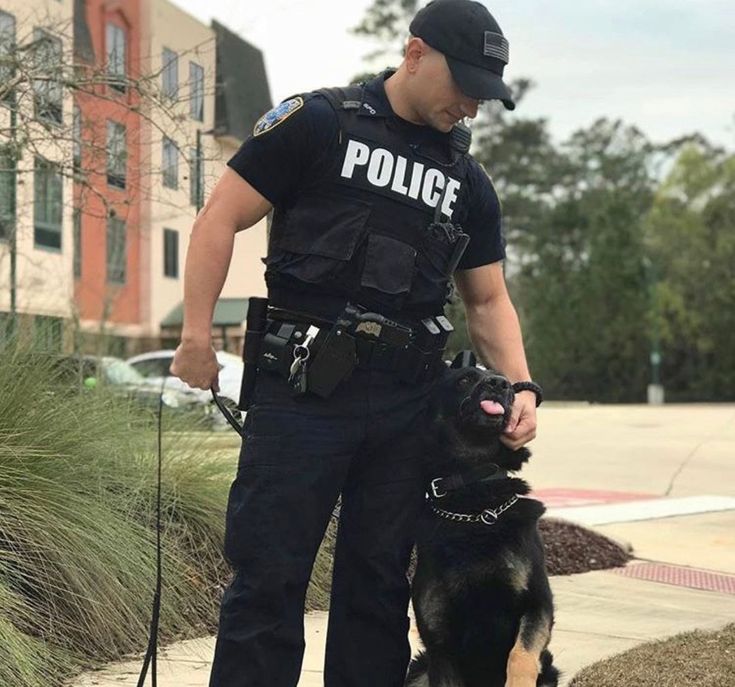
(277, 115)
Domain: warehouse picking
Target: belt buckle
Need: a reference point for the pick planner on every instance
(434, 491)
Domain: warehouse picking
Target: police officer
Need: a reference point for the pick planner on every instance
(373, 194)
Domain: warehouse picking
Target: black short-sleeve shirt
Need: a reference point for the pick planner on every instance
(301, 144)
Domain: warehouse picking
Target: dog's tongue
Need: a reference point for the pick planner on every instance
(492, 407)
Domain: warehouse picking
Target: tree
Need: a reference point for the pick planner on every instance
(386, 22)
(40, 67)
(690, 235)
(583, 283)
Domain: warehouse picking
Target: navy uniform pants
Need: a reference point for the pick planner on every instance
(298, 455)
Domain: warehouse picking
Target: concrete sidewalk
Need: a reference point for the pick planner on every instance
(665, 452)
(599, 614)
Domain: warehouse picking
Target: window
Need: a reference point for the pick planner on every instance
(196, 179)
(7, 52)
(47, 91)
(171, 253)
(196, 85)
(76, 136)
(170, 73)
(47, 205)
(115, 39)
(47, 334)
(7, 193)
(116, 252)
(170, 164)
(77, 239)
(154, 367)
(116, 154)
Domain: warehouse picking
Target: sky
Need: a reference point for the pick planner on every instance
(664, 65)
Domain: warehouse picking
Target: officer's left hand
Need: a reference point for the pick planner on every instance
(522, 424)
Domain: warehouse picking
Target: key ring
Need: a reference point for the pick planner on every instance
(302, 352)
(311, 334)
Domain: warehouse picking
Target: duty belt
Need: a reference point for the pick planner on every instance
(315, 354)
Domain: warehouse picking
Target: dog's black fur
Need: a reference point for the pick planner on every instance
(480, 593)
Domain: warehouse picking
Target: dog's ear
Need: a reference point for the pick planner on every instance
(464, 359)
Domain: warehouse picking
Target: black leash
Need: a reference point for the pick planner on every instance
(152, 651)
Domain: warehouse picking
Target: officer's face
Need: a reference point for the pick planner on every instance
(437, 98)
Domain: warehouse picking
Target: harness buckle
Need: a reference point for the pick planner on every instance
(434, 491)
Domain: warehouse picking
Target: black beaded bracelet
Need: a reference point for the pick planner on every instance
(530, 386)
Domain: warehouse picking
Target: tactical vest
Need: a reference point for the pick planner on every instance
(359, 232)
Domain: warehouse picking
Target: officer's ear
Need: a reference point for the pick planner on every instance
(464, 359)
(416, 48)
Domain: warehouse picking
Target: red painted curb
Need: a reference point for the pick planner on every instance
(565, 498)
(679, 575)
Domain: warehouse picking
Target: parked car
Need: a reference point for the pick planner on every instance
(89, 371)
(155, 365)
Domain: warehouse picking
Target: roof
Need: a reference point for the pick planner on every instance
(242, 92)
(228, 312)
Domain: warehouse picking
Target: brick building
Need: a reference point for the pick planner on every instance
(116, 196)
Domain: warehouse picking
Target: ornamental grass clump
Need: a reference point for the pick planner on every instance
(77, 525)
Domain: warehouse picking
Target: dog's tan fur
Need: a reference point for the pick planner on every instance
(523, 662)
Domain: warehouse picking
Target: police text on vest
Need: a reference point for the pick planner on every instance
(382, 169)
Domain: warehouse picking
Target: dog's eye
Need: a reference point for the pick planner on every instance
(463, 382)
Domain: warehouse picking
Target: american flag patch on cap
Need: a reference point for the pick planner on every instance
(496, 45)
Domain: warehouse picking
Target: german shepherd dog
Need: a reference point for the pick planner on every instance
(480, 593)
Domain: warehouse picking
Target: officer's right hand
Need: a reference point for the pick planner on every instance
(196, 364)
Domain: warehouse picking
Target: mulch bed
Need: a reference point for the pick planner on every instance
(574, 549)
(571, 549)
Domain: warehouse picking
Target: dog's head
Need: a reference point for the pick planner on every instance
(468, 410)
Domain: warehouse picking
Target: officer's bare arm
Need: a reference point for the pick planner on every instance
(234, 205)
(492, 320)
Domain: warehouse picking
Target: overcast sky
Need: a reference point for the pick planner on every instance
(667, 66)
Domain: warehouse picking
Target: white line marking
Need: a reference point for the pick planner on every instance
(642, 510)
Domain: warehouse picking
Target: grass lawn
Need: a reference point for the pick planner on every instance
(692, 659)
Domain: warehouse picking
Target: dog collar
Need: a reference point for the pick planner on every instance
(441, 486)
(488, 516)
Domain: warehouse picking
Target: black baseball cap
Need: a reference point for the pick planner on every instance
(472, 43)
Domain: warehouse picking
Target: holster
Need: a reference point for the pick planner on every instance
(424, 355)
(256, 323)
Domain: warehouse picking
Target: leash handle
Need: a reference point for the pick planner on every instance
(228, 415)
